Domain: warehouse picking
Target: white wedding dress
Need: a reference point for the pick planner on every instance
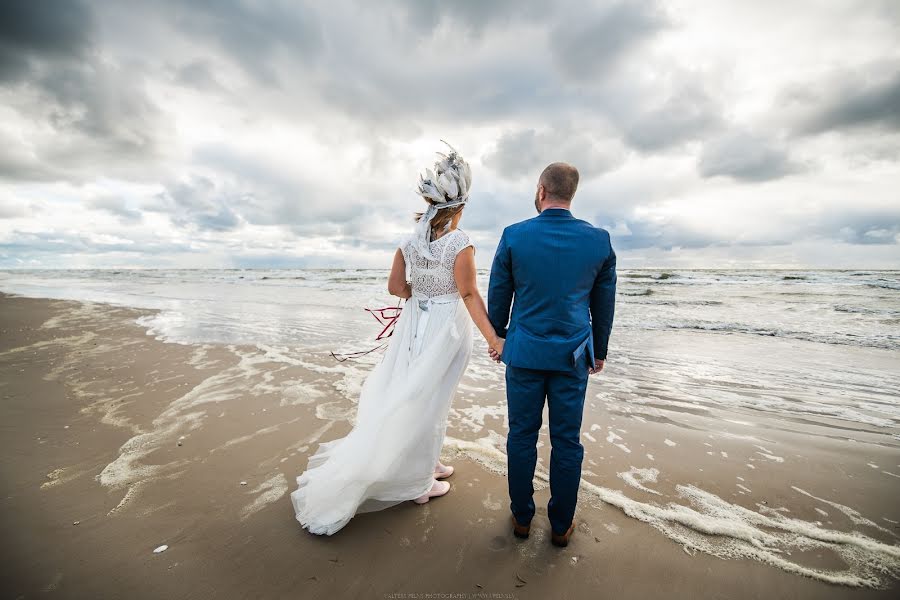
(390, 454)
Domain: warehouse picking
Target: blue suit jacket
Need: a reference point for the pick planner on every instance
(559, 275)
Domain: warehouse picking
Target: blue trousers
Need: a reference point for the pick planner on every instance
(526, 390)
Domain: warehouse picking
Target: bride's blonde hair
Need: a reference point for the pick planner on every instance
(442, 219)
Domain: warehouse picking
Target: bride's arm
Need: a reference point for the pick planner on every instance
(464, 272)
(397, 284)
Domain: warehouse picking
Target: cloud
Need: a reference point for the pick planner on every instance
(852, 225)
(198, 74)
(847, 100)
(252, 33)
(40, 29)
(117, 207)
(197, 203)
(69, 242)
(77, 107)
(870, 104)
(745, 157)
(589, 44)
(10, 209)
(474, 16)
(525, 153)
(686, 114)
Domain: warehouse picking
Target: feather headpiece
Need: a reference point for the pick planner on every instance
(446, 186)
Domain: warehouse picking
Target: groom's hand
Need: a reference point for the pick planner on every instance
(598, 366)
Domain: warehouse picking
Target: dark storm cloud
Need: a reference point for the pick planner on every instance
(474, 15)
(859, 103)
(866, 98)
(96, 109)
(197, 74)
(687, 114)
(35, 29)
(525, 153)
(587, 44)
(197, 202)
(231, 189)
(746, 157)
(117, 207)
(252, 33)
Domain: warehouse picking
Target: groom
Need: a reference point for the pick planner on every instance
(561, 271)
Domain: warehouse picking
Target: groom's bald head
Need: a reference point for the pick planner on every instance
(560, 180)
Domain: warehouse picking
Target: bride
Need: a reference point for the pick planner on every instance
(392, 454)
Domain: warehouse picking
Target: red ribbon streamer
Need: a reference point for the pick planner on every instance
(387, 318)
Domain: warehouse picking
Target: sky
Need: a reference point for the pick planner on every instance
(276, 133)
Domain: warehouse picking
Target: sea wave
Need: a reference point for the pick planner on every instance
(884, 342)
(864, 310)
(884, 285)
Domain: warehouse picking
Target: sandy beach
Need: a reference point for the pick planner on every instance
(115, 444)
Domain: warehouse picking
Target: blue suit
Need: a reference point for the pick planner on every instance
(558, 274)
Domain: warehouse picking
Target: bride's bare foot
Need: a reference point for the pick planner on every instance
(442, 471)
(438, 489)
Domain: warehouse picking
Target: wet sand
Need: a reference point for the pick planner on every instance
(114, 444)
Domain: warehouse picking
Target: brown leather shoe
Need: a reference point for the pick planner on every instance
(520, 531)
(562, 540)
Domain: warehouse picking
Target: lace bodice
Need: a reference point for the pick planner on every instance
(435, 278)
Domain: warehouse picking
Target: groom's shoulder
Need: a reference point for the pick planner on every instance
(592, 229)
(521, 225)
(593, 235)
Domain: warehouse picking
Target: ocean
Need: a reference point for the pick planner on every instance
(749, 329)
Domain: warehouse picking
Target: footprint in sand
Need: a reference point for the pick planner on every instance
(499, 543)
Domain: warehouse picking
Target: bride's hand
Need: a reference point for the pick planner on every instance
(496, 349)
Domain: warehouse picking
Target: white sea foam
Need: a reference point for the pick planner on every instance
(612, 437)
(295, 392)
(269, 491)
(636, 478)
(851, 513)
(491, 504)
(335, 411)
(472, 417)
(669, 442)
(771, 457)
